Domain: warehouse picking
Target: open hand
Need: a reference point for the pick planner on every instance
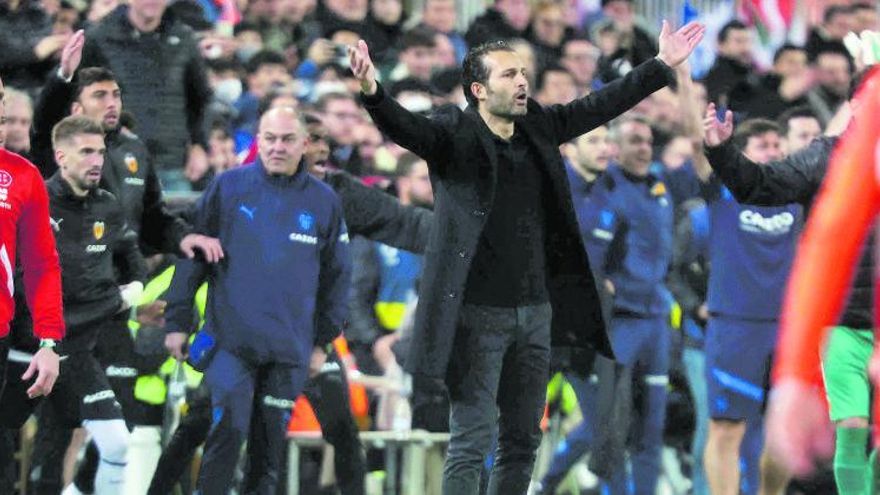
(716, 132)
(71, 54)
(362, 67)
(676, 47)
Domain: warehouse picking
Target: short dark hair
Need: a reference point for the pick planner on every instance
(244, 27)
(264, 57)
(408, 84)
(787, 47)
(474, 66)
(321, 104)
(266, 102)
(751, 128)
(312, 119)
(730, 26)
(91, 75)
(834, 11)
(74, 125)
(419, 36)
(798, 112)
(551, 67)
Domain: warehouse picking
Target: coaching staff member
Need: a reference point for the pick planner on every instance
(505, 258)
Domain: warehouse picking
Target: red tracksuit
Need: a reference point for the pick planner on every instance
(25, 230)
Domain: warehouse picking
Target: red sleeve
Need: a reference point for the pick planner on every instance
(39, 260)
(829, 249)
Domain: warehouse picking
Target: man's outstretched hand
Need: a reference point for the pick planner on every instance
(362, 67)
(716, 132)
(676, 47)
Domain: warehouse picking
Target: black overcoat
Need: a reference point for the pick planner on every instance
(460, 152)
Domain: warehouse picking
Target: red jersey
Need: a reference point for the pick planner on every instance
(25, 231)
(842, 215)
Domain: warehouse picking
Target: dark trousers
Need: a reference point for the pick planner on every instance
(177, 456)
(327, 392)
(250, 402)
(497, 379)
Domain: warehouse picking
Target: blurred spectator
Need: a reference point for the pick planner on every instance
(295, 24)
(440, 16)
(412, 94)
(446, 88)
(224, 78)
(157, 61)
(865, 17)
(679, 150)
(374, 153)
(66, 20)
(555, 86)
(98, 9)
(28, 48)
(385, 279)
(547, 32)
(342, 14)
(417, 56)
(828, 36)
(19, 116)
(384, 28)
(633, 44)
(581, 58)
(834, 71)
(222, 156)
(248, 41)
(785, 85)
(341, 114)
(265, 70)
(505, 20)
(444, 52)
(799, 127)
(734, 62)
(317, 152)
(585, 161)
(526, 53)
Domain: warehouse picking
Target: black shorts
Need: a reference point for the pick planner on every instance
(81, 393)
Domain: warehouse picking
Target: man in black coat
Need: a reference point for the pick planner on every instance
(505, 262)
(157, 63)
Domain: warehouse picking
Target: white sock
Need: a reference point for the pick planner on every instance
(72, 490)
(112, 438)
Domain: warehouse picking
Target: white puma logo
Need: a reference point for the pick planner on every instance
(247, 211)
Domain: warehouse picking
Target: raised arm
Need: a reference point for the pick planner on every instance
(794, 179)
(595, 109)
(424, 137)
(379, 216)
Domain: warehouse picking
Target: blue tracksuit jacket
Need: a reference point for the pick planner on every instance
(283, 284)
